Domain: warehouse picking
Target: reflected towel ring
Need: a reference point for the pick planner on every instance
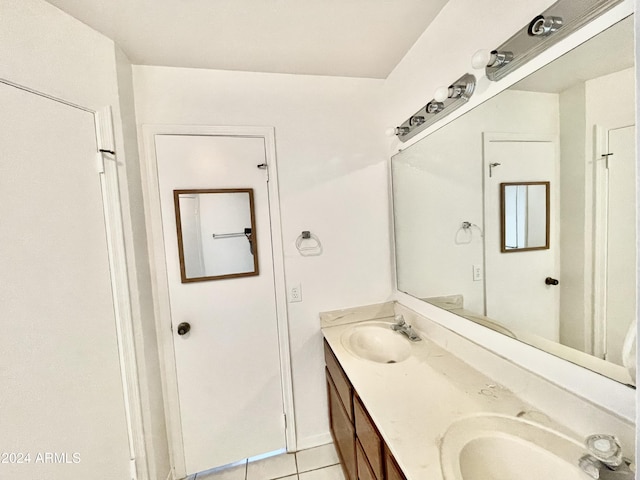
(308, 244)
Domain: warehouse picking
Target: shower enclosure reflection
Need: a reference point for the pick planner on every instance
(216, 234)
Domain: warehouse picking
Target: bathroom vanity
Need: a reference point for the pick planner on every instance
(415, 410)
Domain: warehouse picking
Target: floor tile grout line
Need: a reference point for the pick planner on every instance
(320, 468)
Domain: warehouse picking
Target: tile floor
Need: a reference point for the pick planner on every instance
(319, 463)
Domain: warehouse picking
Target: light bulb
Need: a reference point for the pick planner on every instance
(481, 59)
(390, 132)
(441, 94)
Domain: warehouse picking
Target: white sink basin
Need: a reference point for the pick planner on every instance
(507, 448)
(375, 341)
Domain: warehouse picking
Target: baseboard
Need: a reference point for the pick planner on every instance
(314, 441)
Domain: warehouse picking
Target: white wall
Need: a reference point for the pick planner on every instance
(464, 26)
(574, 307)
(49, 51)
(333, 182)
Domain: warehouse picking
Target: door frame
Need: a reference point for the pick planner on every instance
(597, 333)
(155, 240)
(106, 163)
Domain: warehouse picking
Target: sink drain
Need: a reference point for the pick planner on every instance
(391, 361)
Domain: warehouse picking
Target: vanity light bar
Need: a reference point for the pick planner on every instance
(557, 22)
(457, 95)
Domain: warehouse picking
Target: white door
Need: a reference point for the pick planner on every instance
(533, 305)
(621, 240)
(228, 365)
(61, 395)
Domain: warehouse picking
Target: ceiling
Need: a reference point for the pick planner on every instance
(354, 38)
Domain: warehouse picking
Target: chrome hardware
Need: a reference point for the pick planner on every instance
(402, 327)
(416, 120)
(605, 460)
(434, 107)
(499, 59)
(458, 93)
(542, 26)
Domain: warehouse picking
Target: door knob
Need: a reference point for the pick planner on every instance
(183, 328)
(551, 281)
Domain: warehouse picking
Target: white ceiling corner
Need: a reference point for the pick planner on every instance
(354, 38)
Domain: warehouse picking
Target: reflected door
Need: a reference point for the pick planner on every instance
(227, 362)
(621, 241)
(520, 276)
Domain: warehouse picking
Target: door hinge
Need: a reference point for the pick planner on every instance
(284, 416)
(133, 470)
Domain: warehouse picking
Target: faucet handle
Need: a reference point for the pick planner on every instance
(399, 319)
(605, 448)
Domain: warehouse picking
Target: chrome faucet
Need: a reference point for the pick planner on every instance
(404, 328)
(605, 460)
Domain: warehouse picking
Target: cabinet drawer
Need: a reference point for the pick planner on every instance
(342, 431)
(340, 380)
(393, 471)
(364, 469)
(369, 438)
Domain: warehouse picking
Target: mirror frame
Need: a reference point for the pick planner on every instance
(503, 227)
(252, 236)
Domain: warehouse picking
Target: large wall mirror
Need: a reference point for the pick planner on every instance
(216, 234)
(569, 127)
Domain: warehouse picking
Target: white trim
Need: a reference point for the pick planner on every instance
(155, 241)
(121, 293)
(600, 217)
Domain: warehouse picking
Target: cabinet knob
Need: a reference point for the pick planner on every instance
(551, 281)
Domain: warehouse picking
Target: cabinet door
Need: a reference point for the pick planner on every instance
(342, 431)
(393, 471)
(364, 469)
(340, 380)
(369, 438)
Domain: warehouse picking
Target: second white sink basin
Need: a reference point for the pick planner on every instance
(507, 448)
(375, 341)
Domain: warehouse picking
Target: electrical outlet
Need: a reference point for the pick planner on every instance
(295, 293)
(477, 273)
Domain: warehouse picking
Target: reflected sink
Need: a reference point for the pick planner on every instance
(375, 341)
(507, 448)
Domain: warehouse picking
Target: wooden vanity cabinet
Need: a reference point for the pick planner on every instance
(340, 394)
(363, 454)
(391, 467)
(342, 431)
(369, 438)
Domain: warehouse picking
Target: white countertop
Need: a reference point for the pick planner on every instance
(413, 402)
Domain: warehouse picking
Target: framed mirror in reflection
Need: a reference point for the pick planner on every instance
(524, 216)
(216, 234)
(571, 289)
